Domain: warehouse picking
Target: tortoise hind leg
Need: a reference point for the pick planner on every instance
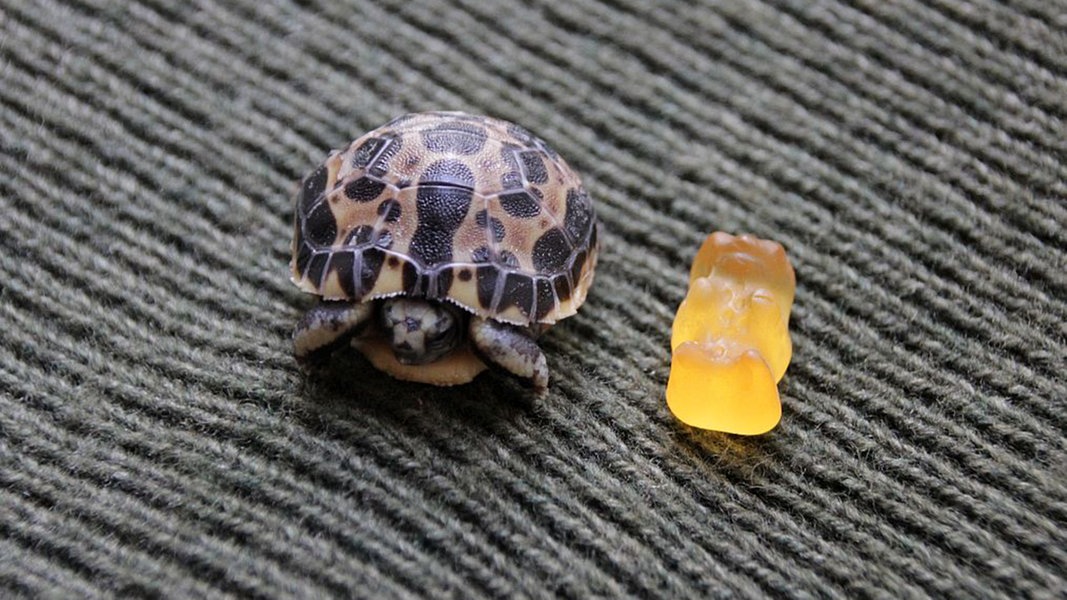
(328, 326)
(511, 348)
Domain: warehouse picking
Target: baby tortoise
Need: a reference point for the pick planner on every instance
(438, 243)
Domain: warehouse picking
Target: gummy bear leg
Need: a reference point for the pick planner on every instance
(731, 392)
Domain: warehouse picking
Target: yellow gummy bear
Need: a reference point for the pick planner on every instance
(730, 340)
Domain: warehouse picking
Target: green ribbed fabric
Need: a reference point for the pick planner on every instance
(157, 438)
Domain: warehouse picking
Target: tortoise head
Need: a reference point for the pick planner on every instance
(421, 331)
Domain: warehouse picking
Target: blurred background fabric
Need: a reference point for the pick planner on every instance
(157, 438)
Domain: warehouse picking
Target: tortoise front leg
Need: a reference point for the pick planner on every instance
(511, 348)
(329, 325)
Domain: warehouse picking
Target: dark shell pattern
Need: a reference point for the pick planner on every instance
(448, 206)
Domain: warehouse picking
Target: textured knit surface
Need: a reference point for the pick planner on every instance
(156, 436)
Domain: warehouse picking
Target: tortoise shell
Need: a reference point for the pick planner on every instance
(448, 206)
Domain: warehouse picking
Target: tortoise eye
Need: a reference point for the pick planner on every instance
(439, 335)
(440, 339)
